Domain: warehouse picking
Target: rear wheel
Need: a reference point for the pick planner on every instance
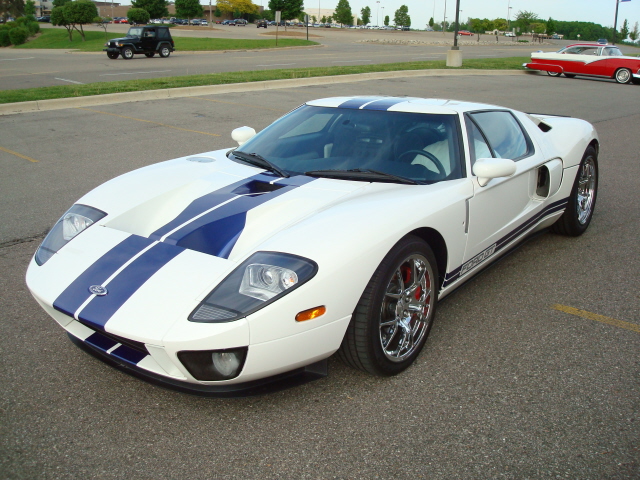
(393, 318)
(164, 51)
(113, 55)
(553, 74)
(623, 75)
(582, 202)
(127, 53)
(149, 54)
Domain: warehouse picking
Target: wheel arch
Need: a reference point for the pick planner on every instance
(596, 145)
(437, 243)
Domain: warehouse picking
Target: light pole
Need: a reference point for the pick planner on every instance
(382, 14)
(378, 13)
(509, 18)
(454, 56)
(444, 21)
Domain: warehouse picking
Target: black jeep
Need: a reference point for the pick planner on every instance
(148, 40)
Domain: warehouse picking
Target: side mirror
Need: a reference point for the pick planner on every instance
(487, 168)
(242, 134)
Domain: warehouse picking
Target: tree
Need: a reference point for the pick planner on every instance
(633, 34)
(238, 7)
(290, 8)
(188, 9)
(624, 31)
(58, 18)
(80, 12)
(524, 20)
(551, 26)
(343, 13)
(431, 22)
(323, 19)
(498, 24)
(104, 23)
(538, 27)
(156, 8)
(138, 16)
(402, 17)
(386, 20)
(30, 7)
(11, 8)
(366, 15)
(60, 3)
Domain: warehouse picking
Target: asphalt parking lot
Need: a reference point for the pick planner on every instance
(512, 382)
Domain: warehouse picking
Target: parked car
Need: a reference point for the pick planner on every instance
(204, 23)
(509, 34)
(261, 24)
(240, 22)
(44, 18)
(229, 22)
(465, 33)
(337, 228)
(602, 41)
(147, 40)
(588, 59)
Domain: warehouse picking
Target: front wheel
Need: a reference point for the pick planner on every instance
(623, 75)
(127, 53)
(393, 318)
(554, 74)
(582, 202)
(164, 51)
(113, 55)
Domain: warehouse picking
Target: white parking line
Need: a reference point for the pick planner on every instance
(70, 81)
(133, 73)
(275, 65)
(9, 59)
(487, 55)
(350, 61)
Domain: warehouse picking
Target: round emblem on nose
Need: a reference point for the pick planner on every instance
(98, 290)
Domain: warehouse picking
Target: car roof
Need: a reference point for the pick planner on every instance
(403, 104)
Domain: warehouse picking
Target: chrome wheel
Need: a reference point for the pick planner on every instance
(586, 190)
(405, 309)
(623, 75)
(553, 74)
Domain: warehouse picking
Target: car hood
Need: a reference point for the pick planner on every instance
(124, 39)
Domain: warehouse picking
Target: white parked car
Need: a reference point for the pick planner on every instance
(335, 229)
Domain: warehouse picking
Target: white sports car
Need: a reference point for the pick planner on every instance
(336, 228)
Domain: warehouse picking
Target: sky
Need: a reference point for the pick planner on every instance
(596, 11)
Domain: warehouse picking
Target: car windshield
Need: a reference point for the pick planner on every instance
(372, 145)
(134, 32)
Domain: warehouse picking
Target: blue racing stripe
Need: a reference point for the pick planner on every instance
(383, 104)
(100, 341)
(208, 201)
(128, 354)
(452, 276)
(100, 309)
(78, 291)
(357, 102)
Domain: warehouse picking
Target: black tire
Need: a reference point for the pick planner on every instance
(387, 311)
(127, 53)
(149, 54)
(113, 55)
(553, 74)
(569, 75)
(576, 218)
(164, 51)
(635, 81)
(623, 75)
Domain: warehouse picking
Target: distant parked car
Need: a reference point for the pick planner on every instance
(44, 18)
(228, 22)
(203, 22)
(261, 23)
(240, 22)
(602, 41)
(509, 34)
(465, 32)
(589, 59)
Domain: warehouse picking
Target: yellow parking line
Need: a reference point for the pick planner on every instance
(598, 318)
(239, 104)
(19, 155)
(148, 121)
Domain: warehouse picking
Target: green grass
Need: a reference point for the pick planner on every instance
(100, 88)
(58, 38)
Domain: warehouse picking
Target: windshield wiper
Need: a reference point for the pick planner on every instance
(259, 161)
(362, 174)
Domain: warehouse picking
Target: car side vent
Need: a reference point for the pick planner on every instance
(257, 188)
(545, 127)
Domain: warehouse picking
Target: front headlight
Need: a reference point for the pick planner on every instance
(258, 281)
(77, 219)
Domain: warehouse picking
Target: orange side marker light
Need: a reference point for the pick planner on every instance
(311, 314)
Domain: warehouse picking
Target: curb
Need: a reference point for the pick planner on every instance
(112, 98)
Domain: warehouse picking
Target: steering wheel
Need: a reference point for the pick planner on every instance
(430, 156)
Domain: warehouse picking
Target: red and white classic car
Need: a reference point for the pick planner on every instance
(588, 59)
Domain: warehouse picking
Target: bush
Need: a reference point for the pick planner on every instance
(138, 16)
(33, 27)
(4, 37)
(18, 35)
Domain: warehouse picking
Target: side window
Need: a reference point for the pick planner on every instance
(478, 146)
(504, 134)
